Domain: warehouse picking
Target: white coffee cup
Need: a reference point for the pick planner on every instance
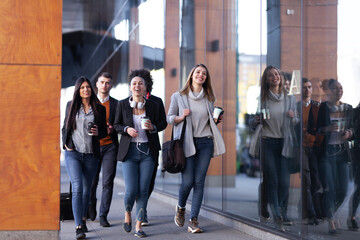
(265, 113)
(217, 111)
(143, 121)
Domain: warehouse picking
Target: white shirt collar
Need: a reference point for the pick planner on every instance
(306, 104)
(103, 100)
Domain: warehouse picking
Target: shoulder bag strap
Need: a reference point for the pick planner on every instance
(182, 132)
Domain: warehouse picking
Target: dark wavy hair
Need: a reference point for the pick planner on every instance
(76, 102)
(206, 85)
(144, 74)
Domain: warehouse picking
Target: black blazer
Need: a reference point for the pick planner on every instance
(324, 120)
(162, 117)
(124, 118)
(102, 128)
(113, 106)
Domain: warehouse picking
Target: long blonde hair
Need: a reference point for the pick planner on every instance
(206, 85)
(265, 85)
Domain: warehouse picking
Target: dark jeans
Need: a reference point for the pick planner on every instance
(335, 178)
(277, 175)
(152, 181)
(193, 176)
(355, 197)
(153, 177)
(137, 167)
(81, 168)
(311, 184)
(108, 164)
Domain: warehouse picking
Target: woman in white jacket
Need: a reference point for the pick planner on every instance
(202, 140)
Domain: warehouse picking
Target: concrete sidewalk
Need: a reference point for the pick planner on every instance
(161, 210)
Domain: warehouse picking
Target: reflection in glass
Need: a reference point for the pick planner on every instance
(335, 124)
(279, 144)
(311, 185)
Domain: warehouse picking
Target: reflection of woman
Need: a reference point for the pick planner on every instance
(82, 150)
(195, 102)
(355, 197)
(138, 148)
(280, 110)
(334, 121)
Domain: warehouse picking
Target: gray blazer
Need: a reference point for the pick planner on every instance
(290, 139)
(177, 105)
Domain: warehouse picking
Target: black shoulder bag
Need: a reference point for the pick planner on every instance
(173, 153)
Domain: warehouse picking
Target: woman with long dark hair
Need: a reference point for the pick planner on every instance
(202, 140)
(84, 125)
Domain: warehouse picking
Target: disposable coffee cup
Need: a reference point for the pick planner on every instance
(90, 125)
(143, 121)
(342, 126)
(265, 113)
(339, 124)
(217, 112)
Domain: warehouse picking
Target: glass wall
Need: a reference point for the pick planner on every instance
(304, 179)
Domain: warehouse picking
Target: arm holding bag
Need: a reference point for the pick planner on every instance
(254, 149)
(173, 153)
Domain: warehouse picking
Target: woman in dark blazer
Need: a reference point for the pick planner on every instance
(82, 147)
(335, 124)
(138, 148)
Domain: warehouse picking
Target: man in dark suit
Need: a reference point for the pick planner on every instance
(108, 151)
(312, 188)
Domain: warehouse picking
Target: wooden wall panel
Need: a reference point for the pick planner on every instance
(30, 31)
(320, 53)
(136, 56)
(172, 56)
(29, 147)
(30, 83)
(319, 39)
(290, 49)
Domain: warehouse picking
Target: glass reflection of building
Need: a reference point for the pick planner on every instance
(236, 40)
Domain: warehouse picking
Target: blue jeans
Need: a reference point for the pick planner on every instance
(137, 168)
(107, 165)
(81, 168)
(335, 178)
(277, 176)
(355, 196)
(194, 175)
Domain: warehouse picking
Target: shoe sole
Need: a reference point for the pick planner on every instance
(139, 235)
(144, 224)
(199, 230)
(81, 236)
